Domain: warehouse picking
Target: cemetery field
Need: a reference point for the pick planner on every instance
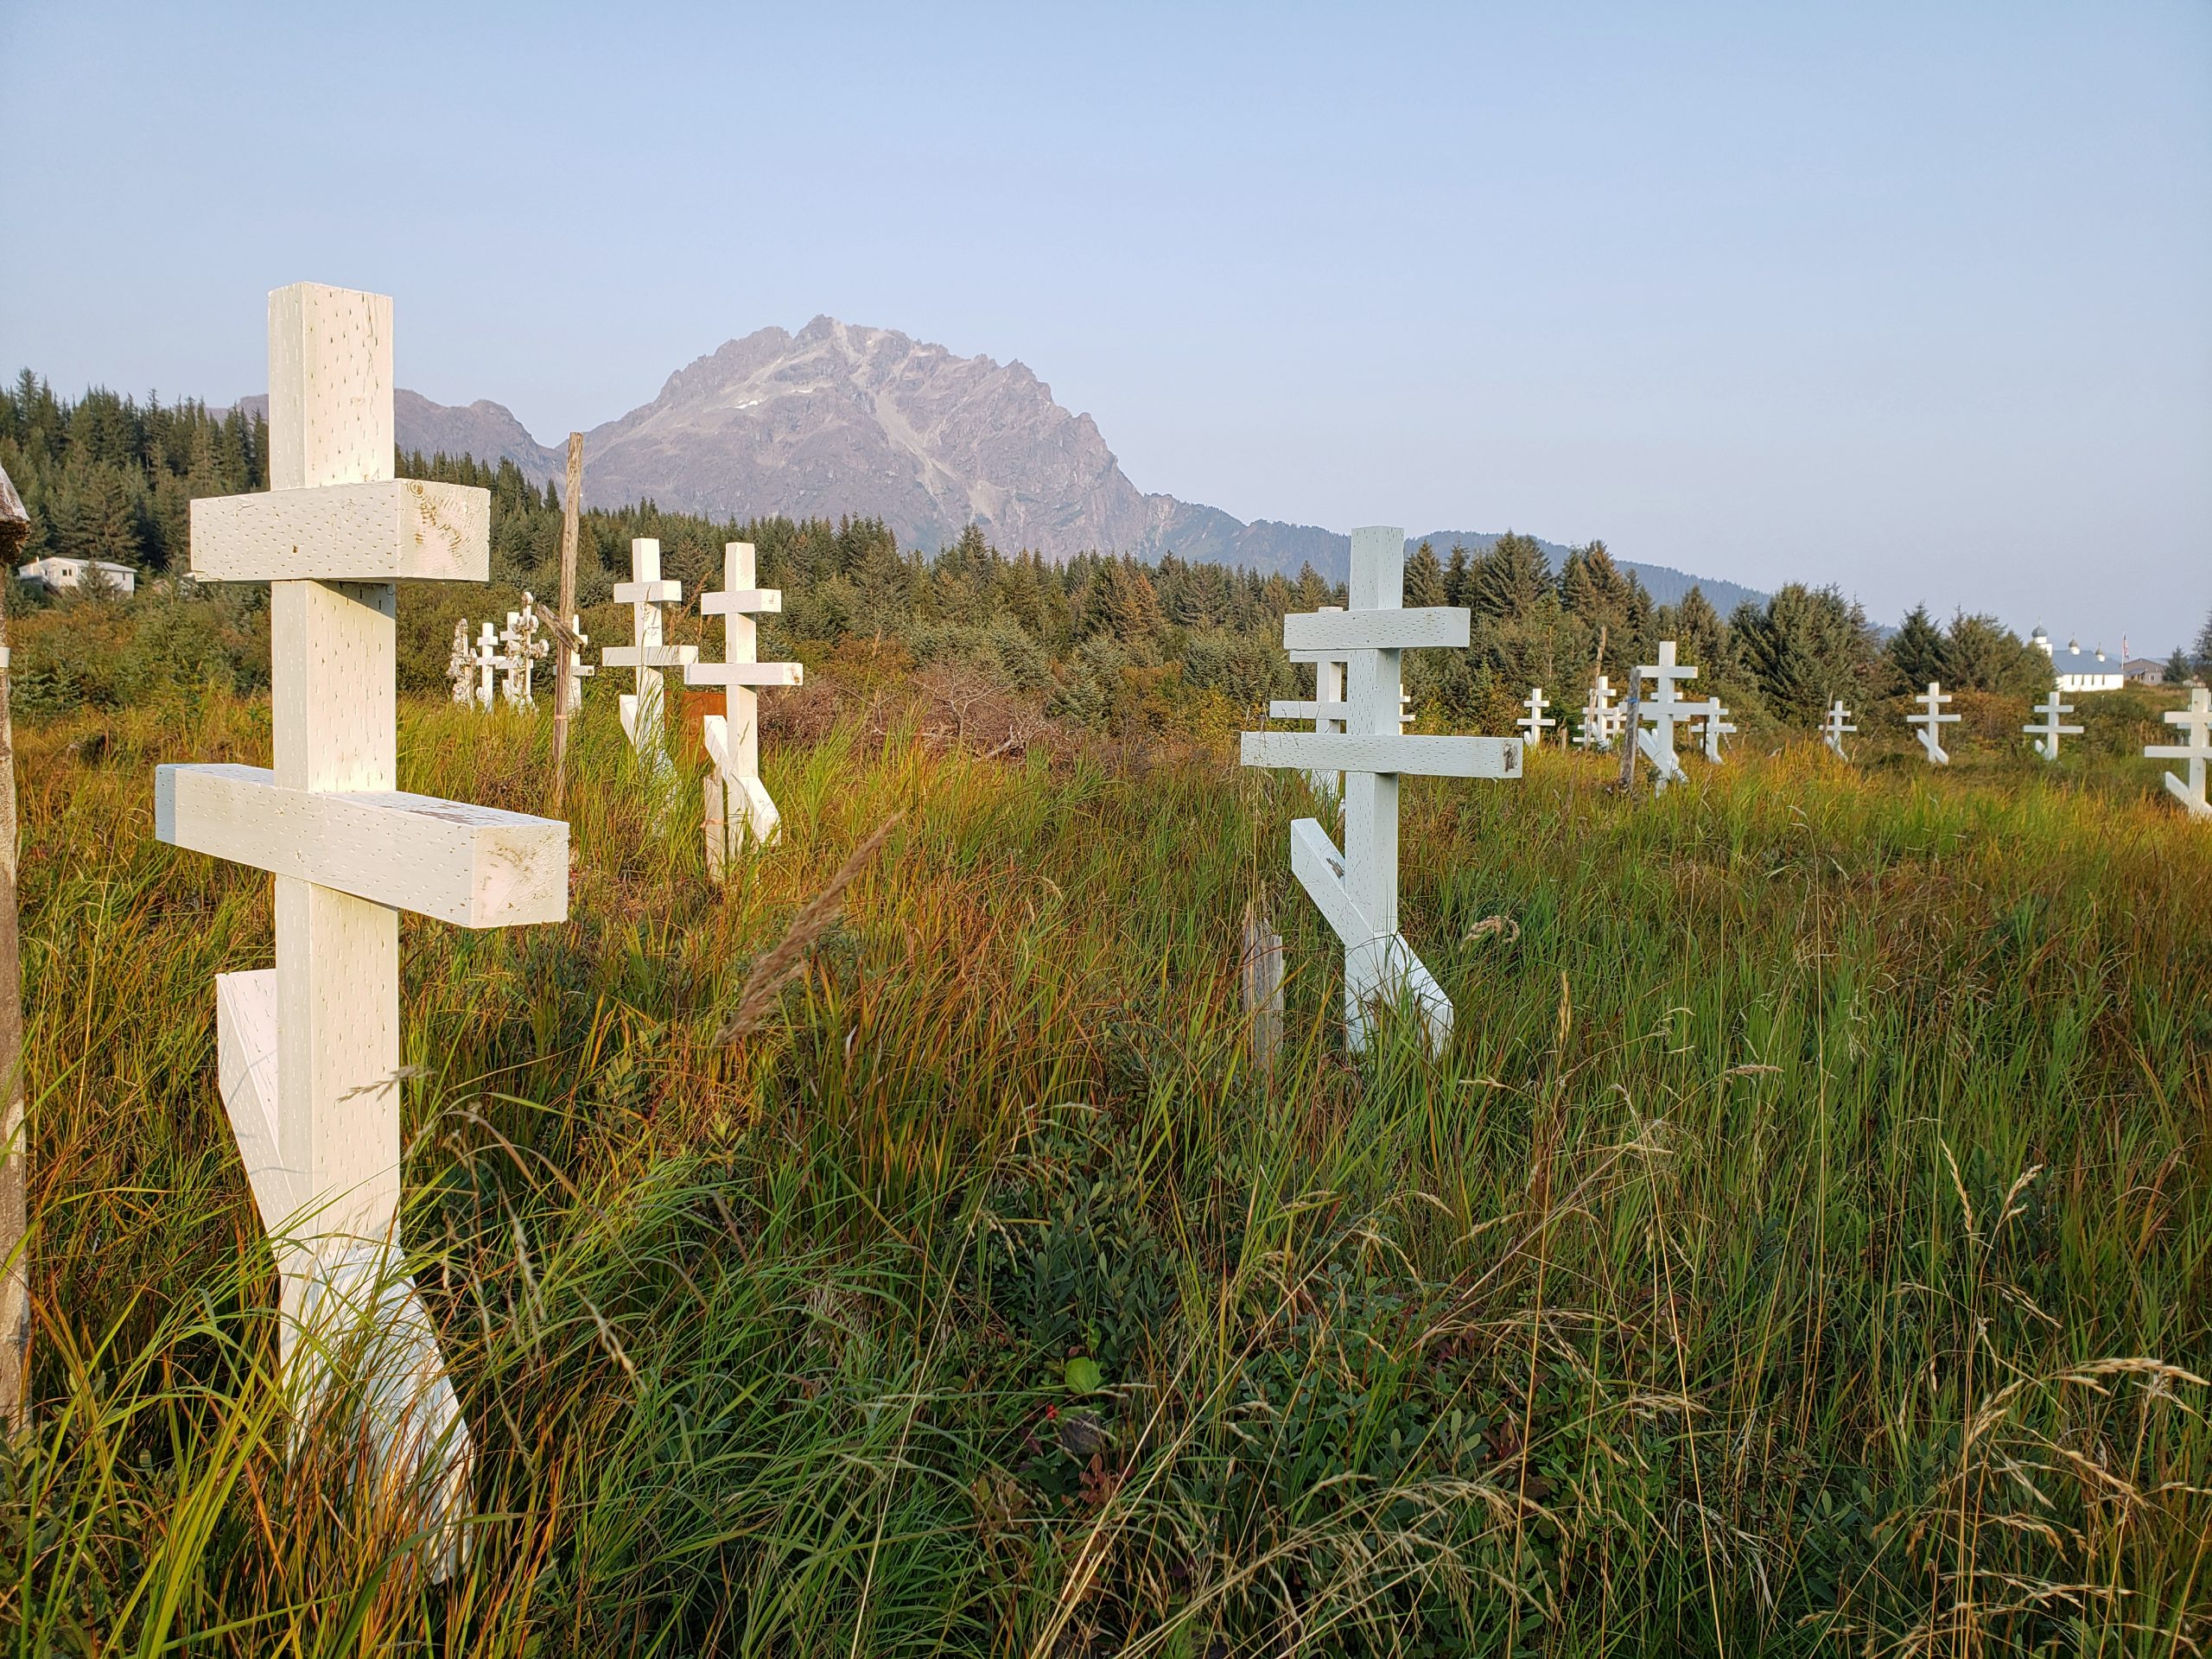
(1805, 1244)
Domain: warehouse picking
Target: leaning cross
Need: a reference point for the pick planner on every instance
(2195, 723)
(1931, 723)
(1664, 708)
(308, 1059)
(1357, 891)
(644, 712)
(1532, 724)
(1838, 715)
(2047, 733)
(732, 739)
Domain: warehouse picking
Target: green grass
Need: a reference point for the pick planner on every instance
(1804, 1246)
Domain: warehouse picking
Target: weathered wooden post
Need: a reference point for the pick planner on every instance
(460, 665)
(567, 691)
(735, 794)
(15, 1126)
(1931, 723)
(2047, 733)
(1357, 890)
(1665, 708)
(1632, 721)
(308, 1050)
(1260, 977)
(2195, 723)
(644, 711)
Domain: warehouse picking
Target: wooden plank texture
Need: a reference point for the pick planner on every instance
(1385, 752)
(385, 530)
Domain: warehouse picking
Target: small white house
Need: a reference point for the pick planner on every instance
(56, 574)
(2077, 670)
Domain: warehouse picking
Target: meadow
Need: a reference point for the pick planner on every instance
(1802, 1246)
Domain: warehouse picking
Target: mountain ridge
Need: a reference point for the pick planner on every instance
(841, 418)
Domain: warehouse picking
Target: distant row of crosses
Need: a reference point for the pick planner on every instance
(1604, 720)
(511, 653)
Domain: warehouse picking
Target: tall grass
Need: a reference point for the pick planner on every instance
(1802, 1246)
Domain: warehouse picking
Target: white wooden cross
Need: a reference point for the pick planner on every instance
(1532, 724)
(1357, 890)
(1931, 723)
(460, 665)
(579, 669)
(2195, 723)
(1598, 712)
(645, 712)
(732, 739)
(308, 1054)
(2047, 733)
(1715, 725)
(488, 663)
(1327, 708)
(524, 649)
(1838, 715)
(1664, 708)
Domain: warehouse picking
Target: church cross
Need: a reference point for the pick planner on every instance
(1931, 723)
(1326, 709)
(1597, 712)
(732, 738)
(1837, 727)
(2195, 723)
(1714, 725)
(1357, 890)
(1532, 724)
(488, 663)
(460, 665)
(644, 711)
(309, 1057)
(2047, 733)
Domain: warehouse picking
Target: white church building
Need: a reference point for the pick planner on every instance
(2078, 670)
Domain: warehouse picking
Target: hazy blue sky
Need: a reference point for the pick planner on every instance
(1913, 297)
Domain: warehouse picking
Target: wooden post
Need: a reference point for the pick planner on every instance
(1632, 725)
(308, 1051)
(565, 668)
(14, 1129)
(734, 789)
(1260, 974)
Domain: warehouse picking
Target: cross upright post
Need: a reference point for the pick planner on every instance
(1837, 726)
(1931, 721)
(308, 1050)
(1665, 708)
(732, 738)
(2195, 724)
(1357, 890)
(1326, 709)
(488, 663)
(1532, 724)
(2047, 732)
(644, 711)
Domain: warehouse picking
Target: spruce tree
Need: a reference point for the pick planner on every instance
(1916, 651)
(1425, 578)
(1512, 579)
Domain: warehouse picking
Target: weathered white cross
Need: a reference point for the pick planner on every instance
(2195, 723)
(1664, 708)
(2047, 733)
(1357, 890)
(732, 739)
(1838, 715)
(644, 711)
(1598, 712)
(1532, 724)
(523, 649)
(579, 669)
(308, 1050)
(1327, 708)
(460, 665)
(488, 663)
(1931, 723)
(1715, 724)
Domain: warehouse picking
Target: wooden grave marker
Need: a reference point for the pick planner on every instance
(644, 711)
(308, 1050)
(488, 663)
(1598, 714)
(1532, 724)
(1665, 709)
(525, 650)
(1326, 709)
(1357, 890)
(1838, 726)
(1713, 725)
(2049, 731)
(2195, 723)
(1931, 721)
(460, 665)
(738, 806)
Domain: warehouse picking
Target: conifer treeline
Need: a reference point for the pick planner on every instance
(109, 478)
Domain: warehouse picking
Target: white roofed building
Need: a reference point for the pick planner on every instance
(2076, 669)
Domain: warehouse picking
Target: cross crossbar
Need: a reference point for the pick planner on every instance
(384, 530)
